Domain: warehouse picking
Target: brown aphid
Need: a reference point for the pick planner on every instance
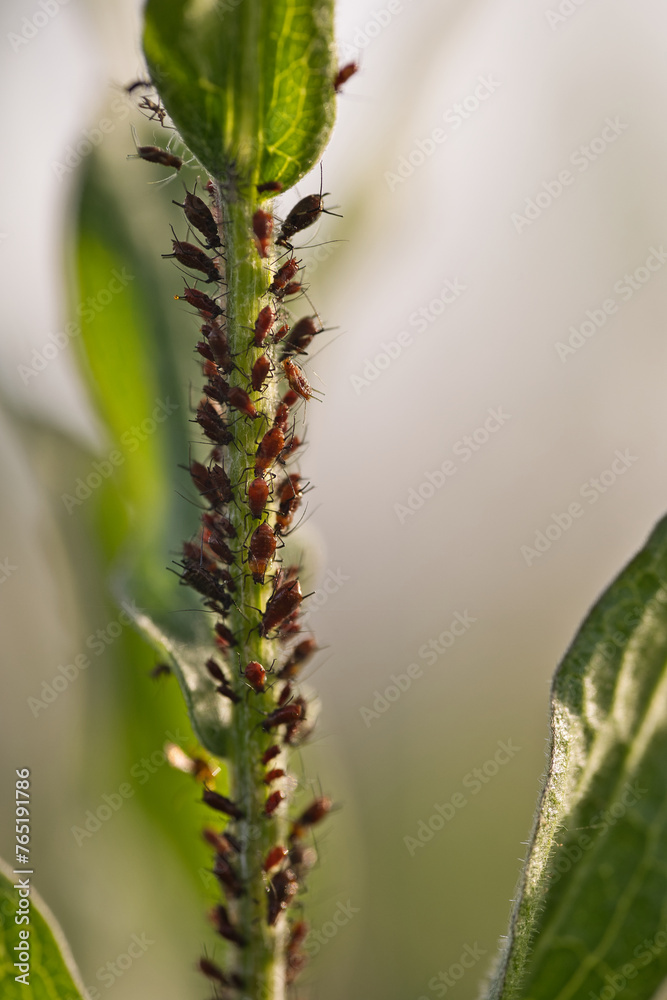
(281, 717)
(284, 275)
(220, 524)
(275, 187)
(212, 423)
(290, 447)
(203, 348)
(262, 227)
(260, 372)
(258, 494)
(241, 401)
(281, 418)
(304, 214)
(220, 802)
(283, 888)
(154, 154)
(255, 674)
(282, 604)
(220, 920)
(273, 775)
(300, 336)
(280, 333)
(181, 761)
(224, 637)
(213, 971)
(160, 670)
(296, 732)
(218, 545)
(213, 483)
(219, 345)
(290, 398)
(344, 74)
(199, 216)
(261, 551)
(273, 801)
(224, 687)
(288, 495)
(274, 857)
(193, 257)
(220, 843)
(224, 872)
(297, 380)
(203, 303)
(301, 652)
(315, 813)
(157, 112)
(207, 584)
(268, 450)
(302, 858)
(270, 754)
(263, 324)
(296, 958)
(285, 694)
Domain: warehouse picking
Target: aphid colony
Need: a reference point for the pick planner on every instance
(230, 550)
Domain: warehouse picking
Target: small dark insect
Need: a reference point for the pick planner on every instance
(160, 670)
(217, 387)
(274, 857)
(273, 775)
(213, 483)
(284, 275)
(270, 754)
(304, 214)
(268, 449)
(302, 858)
(282, 604)
(219, 345)
(220, 920)
(288, 494)
(263, 324)
(201, 302)
(281, 418)
(218, 546)
(296, 958)
(260, 372)
(241, 401)
(220, 843)
(154, 154)
(284, 886)
(315, 813)
(280, 333)
(224, 637)
(290, 447)
(296, 731)
(258, 494)
(273, 801)
(344, 74)
(219, 524)
(227, 876)
(281, 717)
(224, 687)
(301, 652)
(199, 216)
(261, 551)
(262, 227)
(194, 257)
(212, 424)
(300, 336)
(285, 694)
(255, 674)
(206, 583)
(222, 804)
(203, 348)
(297, 380)
(213, 971)
(273, 186)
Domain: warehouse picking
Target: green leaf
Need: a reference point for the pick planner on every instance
(248, 83)
(590, 919)
(52, 973)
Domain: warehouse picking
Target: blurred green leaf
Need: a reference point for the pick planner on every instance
(248, 83)
(591, 915)
(52, 972)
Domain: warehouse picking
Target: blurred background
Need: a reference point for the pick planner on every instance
(498, 296)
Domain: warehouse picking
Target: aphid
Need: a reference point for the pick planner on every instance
(273, 775)
(258, 494)
(199, 216)
(281, 418)
(261, 551)
(284, 601)
(273, 186)
(288, 494)
(280, 333)
(284, 275)
(160, 670)
(217, 339)
(274, 857)
(220, 920)
(260, 372)
(193, 257)
(213, 971)
(302, 858)
(157, 112)
(269, 448)
(285, 694)
(281, 716)
(344, 74)
(295, 958)
(201, 302)
(304, 214)
(213, 483)
(154, 154)
(241, 401)
(220, 524)
(273, 801)
(263, 324)
(289, 449)
(290, 398)
(218, 546)
(300, 336)
(262, 227)
(224, 637)
(180, 761)
(255, 674)
(284, 886)
(220, 842)
(301, 652)
(212, 424)
(315, 813)
(206, 583)
(227, 876)
(224, 687)
(270, 754)
(203, 348)
(220, 802)
(297, 380)
(296, 731)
